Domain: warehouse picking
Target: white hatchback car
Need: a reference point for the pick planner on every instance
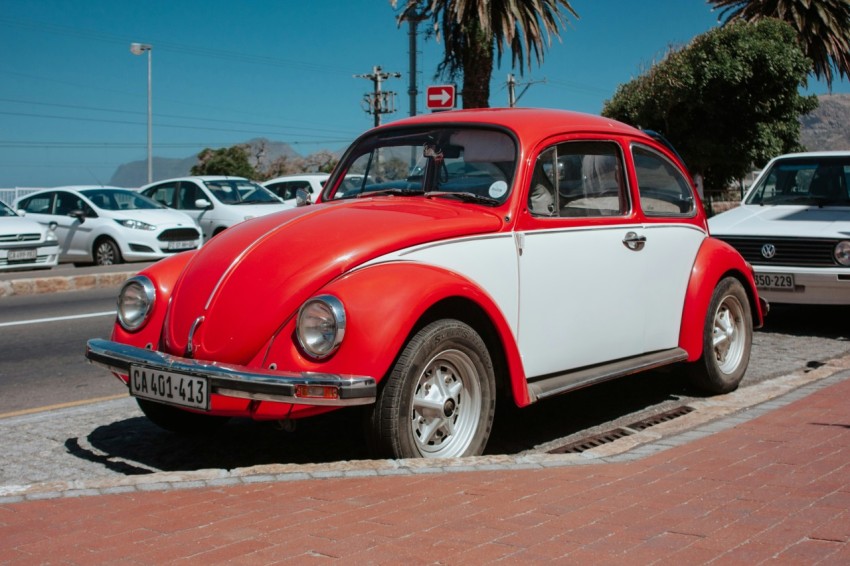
(794, 228)
(108, 225)
(215, 202)
(24, 243)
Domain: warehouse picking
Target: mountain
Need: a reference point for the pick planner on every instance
(828, 127)
(135, 173)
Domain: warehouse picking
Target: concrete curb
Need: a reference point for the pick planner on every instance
(55, 284)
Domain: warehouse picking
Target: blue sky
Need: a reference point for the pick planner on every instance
(73, 99)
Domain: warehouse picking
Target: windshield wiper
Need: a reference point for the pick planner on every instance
(465, 197)
(392, 192)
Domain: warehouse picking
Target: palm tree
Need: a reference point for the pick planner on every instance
(472, 29)
(822, 26)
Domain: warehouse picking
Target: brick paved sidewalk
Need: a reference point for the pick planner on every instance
(773, 489)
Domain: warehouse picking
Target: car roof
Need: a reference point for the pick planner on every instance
(297, 176)
(198, 178)
(810, 154)
(532, 122)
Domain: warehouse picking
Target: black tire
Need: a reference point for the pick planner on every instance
(106, 252)
(439, 399)
(727, 340)
(179, 421)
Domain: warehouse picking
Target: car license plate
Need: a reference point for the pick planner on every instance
(170, 387)
(21, 255)
(182, 245)
(775, 281)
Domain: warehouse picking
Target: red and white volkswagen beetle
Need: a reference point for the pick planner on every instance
(451, 260)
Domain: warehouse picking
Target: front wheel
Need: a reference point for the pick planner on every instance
(439, 399)
(727, 339)
(106, 252)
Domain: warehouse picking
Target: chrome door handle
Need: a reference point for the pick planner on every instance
(634, 242)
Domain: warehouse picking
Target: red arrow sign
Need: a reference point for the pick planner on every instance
(440, 97)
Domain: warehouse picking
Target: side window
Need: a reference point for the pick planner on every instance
(664, 190)
(163, 194)
(187, 194)
(67, 202)
(579, 179)
(41, 204)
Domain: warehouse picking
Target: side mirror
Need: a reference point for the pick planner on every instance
(203, 203)
(302, 198)
(21, 212)
(78, 214)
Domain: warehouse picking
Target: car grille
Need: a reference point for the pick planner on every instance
(20, 237)
(797, 252)
(178, 234)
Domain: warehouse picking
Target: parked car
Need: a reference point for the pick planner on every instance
(522, 254)
(286, 186)
(794, 228)
(24, 243)
(108, 225)
(215, 202)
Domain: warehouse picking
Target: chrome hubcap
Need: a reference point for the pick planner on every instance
(446, 405)
(728, 334)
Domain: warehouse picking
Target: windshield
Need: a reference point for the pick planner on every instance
(5, 210)
(236, 191)
(475, 165)
(821, 181)
(118, 199)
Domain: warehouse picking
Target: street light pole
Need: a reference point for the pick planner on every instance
(138, 49)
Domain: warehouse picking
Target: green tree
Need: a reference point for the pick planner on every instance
(822, 27)
(473, 29)
(726, 101)
(225, 161)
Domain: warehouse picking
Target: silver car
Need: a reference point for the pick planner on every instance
(107, 225)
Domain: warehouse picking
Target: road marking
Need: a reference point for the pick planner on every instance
(62, 406)
(56, 318)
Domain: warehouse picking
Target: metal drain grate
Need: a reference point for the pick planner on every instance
(580, 446)
(592, 442)
(660, 418)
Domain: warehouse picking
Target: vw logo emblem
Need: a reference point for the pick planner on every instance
(768, 251)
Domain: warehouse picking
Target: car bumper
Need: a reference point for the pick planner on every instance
(46, 257)
(240, 381)
(814, 286)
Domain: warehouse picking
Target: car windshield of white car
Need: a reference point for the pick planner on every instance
(811, 180)
(117, 199)
(6, 210)
(241, 192)
(467, 164)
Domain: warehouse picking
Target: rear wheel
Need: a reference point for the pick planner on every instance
(180, 421)
(440, 397)
(727, 339)
(106, 252)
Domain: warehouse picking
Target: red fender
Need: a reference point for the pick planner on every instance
(715, 260)
(383, 303)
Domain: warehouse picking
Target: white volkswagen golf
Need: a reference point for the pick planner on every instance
(794, 228)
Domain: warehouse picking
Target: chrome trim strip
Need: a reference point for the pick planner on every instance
(235, 380)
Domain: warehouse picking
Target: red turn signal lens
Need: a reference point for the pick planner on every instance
(317, 391)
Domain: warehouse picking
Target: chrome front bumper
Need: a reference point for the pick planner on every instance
(238, 381)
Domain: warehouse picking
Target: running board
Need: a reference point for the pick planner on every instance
(576, 379)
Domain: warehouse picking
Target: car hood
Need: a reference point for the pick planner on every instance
(787, 221)
(155, 216)
(250, 279)
(13, 225)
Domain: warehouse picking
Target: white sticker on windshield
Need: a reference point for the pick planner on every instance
(498, 189)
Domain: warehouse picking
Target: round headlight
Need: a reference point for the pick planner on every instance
(135, 302)
(842, 253)
(321, 326)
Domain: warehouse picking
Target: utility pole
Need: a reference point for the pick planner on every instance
(513, 98)
(378, 102)
(412, 31)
